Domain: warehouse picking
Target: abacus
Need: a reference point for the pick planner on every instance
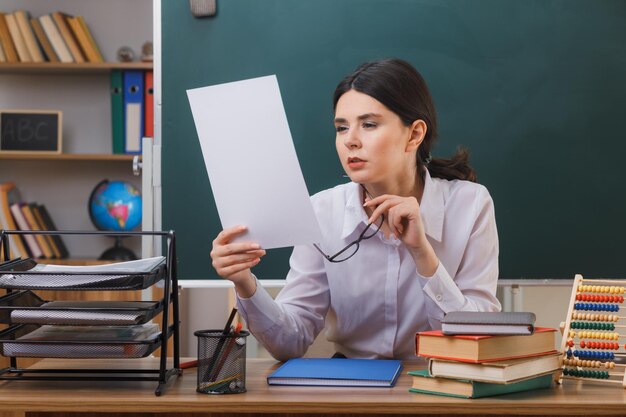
(591, 335)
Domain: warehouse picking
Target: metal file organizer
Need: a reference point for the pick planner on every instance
(23, 310)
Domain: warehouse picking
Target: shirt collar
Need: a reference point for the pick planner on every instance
(431, 209)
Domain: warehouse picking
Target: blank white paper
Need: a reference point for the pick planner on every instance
(252, 164)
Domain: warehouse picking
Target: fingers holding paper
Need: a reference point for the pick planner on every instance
(231, 260)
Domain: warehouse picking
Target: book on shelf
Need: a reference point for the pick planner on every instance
(426, 384)
(337, 372)
(60, 19)
(487, 322)
(42, 226)
(48, 224)
(7, 42)
(33, 225)
(7, 196)
(31, 243)
(482, 348)
(23, 22)
(43, 40)
(87, 47)
(90, 38)
(55, 38)
(18, 39)
(499, 372)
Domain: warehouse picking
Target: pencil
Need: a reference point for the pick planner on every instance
(220, 344)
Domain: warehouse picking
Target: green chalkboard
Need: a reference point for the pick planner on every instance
(535, 88)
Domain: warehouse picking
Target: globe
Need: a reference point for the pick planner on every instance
(115, 206)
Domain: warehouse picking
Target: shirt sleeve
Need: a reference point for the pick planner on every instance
(474, 286)
(287, 326)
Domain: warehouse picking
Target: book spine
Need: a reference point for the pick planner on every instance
(23, 22)
(81, 37)
(32, 225)
(7, 41)
(44, 41)
(23, 225)
(94, 45)
(18, 40)
(67, 35)
(58, 44)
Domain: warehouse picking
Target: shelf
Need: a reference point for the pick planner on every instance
(55, 67)
(32, 156)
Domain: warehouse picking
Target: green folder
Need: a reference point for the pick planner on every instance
(117, 111)
(463, 388)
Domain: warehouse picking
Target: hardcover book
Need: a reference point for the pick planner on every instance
(463, 388)
(337, 372)
(499, 372)
(484, 322)
(484, 348)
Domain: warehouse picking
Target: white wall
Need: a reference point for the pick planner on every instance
(208, 308)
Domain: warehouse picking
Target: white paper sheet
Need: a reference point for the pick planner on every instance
(252, 164)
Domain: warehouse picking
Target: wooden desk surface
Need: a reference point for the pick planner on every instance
(36, 397)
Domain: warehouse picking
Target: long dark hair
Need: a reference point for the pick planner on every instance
(398, 86)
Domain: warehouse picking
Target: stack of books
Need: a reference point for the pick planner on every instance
(16, 214)
(54, 37)
(490, 361)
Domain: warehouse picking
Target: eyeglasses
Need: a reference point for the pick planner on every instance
(352, 248)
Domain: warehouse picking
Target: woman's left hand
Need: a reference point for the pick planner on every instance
(402, 216)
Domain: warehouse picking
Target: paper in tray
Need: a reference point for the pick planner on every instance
(123, 275)
(80, 341)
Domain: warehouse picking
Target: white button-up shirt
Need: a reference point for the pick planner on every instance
(372, 305)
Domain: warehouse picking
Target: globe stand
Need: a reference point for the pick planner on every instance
(118, 252)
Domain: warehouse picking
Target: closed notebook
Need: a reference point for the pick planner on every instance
(499, 372)
(425, 384)
(337, 372)
(483, 322)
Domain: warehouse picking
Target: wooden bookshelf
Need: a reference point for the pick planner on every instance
(34, 156)
(56, 67)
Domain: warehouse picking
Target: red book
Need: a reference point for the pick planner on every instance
(149, 104)
(484, 348)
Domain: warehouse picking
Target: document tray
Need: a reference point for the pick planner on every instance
(12, 346)
(24, 306)
(40, 280)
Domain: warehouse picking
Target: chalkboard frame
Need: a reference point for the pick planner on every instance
(55, 144)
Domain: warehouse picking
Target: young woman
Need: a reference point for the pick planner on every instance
(409, 239)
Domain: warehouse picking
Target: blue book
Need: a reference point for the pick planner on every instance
(337, 372)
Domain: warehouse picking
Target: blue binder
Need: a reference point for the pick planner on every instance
(337, 372)
(133, 111)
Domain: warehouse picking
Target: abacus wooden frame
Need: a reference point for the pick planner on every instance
(566, 326)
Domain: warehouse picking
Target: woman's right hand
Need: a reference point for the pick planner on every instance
(233, 261)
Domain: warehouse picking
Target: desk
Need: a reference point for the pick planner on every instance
(57, 398)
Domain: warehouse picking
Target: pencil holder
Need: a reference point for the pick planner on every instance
(221, 362)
